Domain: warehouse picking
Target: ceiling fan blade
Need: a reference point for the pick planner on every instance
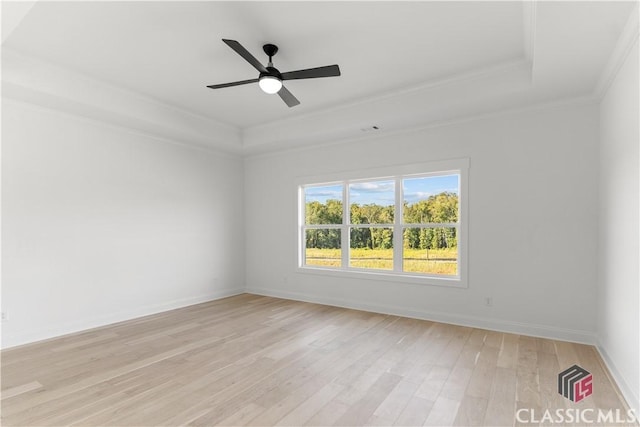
(288, 97)
(240, 50)
(313, 73)
(241, 82)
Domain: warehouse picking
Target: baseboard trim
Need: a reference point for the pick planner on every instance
(33, 336)
(627, 394)
(542, 331)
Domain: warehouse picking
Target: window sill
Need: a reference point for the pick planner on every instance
(453, 282)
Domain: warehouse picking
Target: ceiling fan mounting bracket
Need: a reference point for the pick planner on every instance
(270, 49)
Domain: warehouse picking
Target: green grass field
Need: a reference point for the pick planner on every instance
(433, 261)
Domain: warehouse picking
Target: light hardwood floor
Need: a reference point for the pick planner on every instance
(253, 360)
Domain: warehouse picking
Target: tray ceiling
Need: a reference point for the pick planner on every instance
(403, 63)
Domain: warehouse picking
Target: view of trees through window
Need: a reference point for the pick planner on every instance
(427, 221)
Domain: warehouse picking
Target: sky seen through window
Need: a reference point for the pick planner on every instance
(382, 192)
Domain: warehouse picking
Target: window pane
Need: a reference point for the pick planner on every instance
(430, 251)
(371, 247)
(323, 205)
(323, 247)
(372, 202)
(432, 199)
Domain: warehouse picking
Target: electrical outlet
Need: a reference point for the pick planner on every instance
(488, 301)
(3, 316)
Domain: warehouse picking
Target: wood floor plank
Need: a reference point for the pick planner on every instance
(443, 412)
(415, 413)
(508, 355)
(24, 388)
(238, 418)
(362, 410)
(527, 384)
(430, 388)
(472, 412)
(502, 398)
(254, 360)
(328, 414)
(278, 411)
(395, 402)
(307, 409)
(483, 373)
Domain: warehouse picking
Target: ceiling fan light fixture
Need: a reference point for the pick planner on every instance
(270, 84)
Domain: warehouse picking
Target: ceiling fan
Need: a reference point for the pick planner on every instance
(270, 79)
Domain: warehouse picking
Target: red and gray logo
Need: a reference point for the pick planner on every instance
(575, 383)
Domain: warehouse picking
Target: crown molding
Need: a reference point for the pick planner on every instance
(626, 42)
(17, 98)
(452, 80)
(254, 137)
(33, 80)
(575, 102)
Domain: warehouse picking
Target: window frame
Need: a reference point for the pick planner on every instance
(396, 174)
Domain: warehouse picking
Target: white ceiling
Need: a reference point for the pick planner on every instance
(403, 63)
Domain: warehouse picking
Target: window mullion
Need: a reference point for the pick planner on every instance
(397, 228)
(431, 224)
(345, 239)
(302, 241)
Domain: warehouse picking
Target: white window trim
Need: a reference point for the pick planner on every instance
(458, 166)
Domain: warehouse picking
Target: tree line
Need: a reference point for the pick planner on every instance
(439, 208)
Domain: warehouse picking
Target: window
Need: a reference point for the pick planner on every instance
(404, 226)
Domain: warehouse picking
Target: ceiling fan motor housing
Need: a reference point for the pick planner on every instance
(272, 72)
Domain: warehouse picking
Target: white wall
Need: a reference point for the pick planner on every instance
(619, 214)
(101, 224)
(532, 222)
